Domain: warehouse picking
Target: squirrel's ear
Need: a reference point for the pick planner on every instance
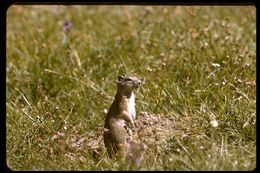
(119, 78)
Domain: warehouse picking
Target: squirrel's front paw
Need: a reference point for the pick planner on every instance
(131, 124)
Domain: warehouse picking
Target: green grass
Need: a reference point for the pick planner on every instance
(198, 64)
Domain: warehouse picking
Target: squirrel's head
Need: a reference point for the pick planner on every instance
(128, 83)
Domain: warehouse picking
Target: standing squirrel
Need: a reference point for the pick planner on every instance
(122, 111)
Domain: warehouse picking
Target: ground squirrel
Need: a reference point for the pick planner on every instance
(122, 111)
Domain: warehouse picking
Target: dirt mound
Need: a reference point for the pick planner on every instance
(152, 128)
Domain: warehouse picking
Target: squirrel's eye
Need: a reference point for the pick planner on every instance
(128, 79)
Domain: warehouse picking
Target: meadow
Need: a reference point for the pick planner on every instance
(198, 65)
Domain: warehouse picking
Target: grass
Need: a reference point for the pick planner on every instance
(198, 65)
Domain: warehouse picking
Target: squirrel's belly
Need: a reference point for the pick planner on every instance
(131, 106)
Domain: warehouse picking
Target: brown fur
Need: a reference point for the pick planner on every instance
(117, 117)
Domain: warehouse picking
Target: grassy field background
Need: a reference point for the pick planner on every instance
(198, 64)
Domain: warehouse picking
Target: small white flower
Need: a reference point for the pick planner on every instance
(214, 123)
(215, 65)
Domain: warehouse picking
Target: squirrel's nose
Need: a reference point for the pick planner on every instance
(139, 83)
